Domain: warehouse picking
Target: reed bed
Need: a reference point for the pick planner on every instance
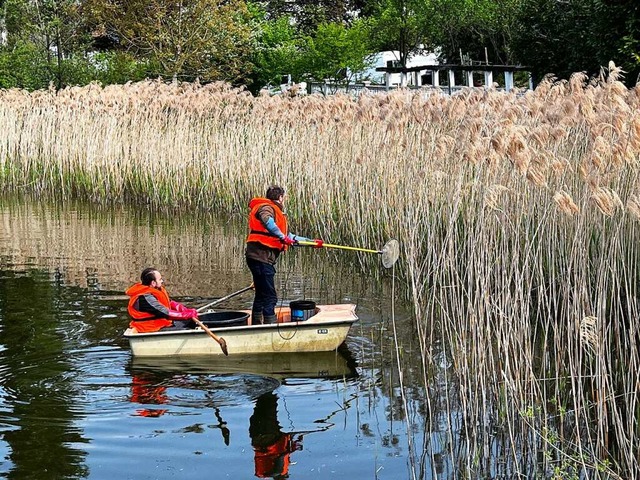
(517, 215)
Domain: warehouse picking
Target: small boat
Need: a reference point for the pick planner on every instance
(322, 330)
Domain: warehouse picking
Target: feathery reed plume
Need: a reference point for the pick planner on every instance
(606, 200)
(492, 196)
(565, 203)
(633, 206)
(536, 175)
(615, 73)
(589, 333)
(518, 151)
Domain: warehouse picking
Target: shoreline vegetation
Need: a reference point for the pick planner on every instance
(517, 215)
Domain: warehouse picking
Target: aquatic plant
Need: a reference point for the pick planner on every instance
(517, 215)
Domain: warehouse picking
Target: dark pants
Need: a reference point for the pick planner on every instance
(266, 298)
(180, 325)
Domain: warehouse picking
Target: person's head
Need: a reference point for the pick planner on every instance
(151, 278)
(275, 193)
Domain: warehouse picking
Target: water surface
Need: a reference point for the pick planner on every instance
(75, 404)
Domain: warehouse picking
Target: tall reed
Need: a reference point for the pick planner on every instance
(517, 214)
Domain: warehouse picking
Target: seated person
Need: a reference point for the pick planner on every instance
(152, 310)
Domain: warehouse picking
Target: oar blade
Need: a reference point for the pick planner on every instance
(223, 346)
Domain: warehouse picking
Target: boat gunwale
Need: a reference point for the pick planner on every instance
(306, 325)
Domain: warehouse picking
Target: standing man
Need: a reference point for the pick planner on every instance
(152, 310)
(268, 236)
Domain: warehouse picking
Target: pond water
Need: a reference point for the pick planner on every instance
(75, 404)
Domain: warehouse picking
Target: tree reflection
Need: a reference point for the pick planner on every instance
(38, 393)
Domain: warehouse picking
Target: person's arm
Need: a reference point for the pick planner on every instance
(177, 306)
(150, 304)
(266, 214)
(273, 229)
(296, 238)
(299, 238)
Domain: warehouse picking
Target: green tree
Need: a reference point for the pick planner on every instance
(337, 51)
(118, 67)
(23, 65)
(402, 25)
(278, 52)
(307, 15)
(579, 36)
(51, 30)
(186, 39)
(470, 26)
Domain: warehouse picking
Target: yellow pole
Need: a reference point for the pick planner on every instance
(343, 247)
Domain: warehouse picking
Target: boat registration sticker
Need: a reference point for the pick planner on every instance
(322, 331)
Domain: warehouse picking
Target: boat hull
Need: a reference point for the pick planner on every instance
(322, 332)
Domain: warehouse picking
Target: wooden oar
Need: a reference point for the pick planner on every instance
(222, 299)
(221, 341)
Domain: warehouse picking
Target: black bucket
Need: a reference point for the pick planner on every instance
(301, 310)
(224, 319)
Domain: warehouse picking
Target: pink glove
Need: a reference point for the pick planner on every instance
(319, 243)
(185, 314)
(288, 241)
(178, 307)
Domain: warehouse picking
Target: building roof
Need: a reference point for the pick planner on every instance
(456, 67)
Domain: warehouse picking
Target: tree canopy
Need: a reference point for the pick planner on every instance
(254, 43)
(186, 39)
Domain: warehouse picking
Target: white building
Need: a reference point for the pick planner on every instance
(391, 58)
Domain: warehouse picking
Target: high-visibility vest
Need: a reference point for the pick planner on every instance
(258, 232)
(145, 322)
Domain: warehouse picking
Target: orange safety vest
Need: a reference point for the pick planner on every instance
(145, 322)
(258, 232)
(274, 459)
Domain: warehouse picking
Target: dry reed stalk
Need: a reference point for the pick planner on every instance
(589, 333)
(501, 289)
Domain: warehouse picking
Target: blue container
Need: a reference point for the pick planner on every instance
(301, 310)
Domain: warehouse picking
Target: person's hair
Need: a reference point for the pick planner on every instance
(274, 192)
(148, 275)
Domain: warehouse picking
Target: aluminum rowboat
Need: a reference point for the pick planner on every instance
(322, 332)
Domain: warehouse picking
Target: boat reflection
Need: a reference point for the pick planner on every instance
(334, 364)
(222, 384)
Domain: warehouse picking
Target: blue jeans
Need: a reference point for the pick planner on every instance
(266, 298)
